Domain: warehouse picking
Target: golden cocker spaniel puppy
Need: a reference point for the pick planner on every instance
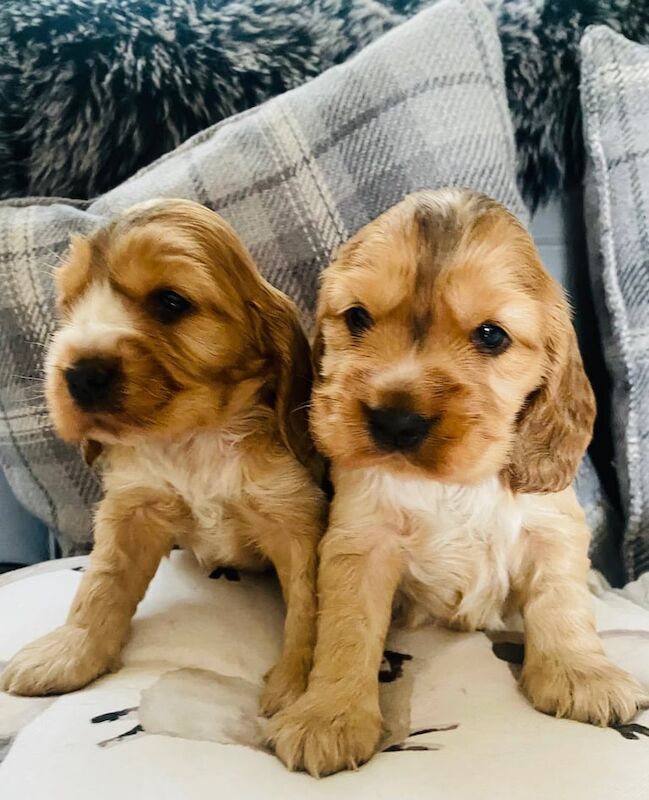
(452, 402)
(192, 374)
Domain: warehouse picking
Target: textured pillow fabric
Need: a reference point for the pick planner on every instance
(423, 107)
(615, 100)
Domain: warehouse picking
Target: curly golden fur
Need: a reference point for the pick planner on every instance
(452, 401)
(190, 376)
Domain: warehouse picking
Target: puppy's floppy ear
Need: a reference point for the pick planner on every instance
(285, 342)
(555, 425)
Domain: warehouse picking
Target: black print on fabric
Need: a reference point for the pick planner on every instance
(138, 730)
(230, 573)
(401, 747)
(511, 652)
(632, 730)
(392, 666)
(112, 716)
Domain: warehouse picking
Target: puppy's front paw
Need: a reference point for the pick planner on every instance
(62, 661)
(285, 682)
(321, 736)
(588, 689)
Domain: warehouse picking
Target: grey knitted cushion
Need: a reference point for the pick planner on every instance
(422, 107)
(615, 101)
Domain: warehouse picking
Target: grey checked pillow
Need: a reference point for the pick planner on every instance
(615, 102)
(422, 107)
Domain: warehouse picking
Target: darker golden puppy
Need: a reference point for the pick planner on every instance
(453, 403)
(192, 374)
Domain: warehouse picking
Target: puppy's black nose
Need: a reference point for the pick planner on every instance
(92, 382)
(396, 428)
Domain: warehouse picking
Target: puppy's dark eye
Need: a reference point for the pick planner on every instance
(168, 306)
(358, 320)
(490, 339)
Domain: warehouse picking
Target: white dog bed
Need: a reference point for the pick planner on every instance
(458, 727)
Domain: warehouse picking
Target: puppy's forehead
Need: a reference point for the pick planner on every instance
(135, 257)
(438, 230)
(152, 253)
(401, 255)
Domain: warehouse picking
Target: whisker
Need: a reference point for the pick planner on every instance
(36, 399)
(301, 407)
(40, 379)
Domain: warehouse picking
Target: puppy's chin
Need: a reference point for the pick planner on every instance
(411, 465)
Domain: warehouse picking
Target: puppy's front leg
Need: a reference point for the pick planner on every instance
(293, 551)
(133, 531)
(336, 724)
(566, 672)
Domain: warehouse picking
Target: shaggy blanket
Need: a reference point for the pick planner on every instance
(92, 90)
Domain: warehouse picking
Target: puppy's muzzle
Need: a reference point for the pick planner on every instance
(396, 429)
(93, 383)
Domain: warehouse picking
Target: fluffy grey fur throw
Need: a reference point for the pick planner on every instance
(92, 90)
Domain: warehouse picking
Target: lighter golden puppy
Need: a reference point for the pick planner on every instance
(453, 403)
(192, 374)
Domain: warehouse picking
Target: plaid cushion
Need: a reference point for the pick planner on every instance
(615, 100)
(422, 107)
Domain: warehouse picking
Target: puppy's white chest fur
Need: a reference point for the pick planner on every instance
(207, 471)
(460, 545)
